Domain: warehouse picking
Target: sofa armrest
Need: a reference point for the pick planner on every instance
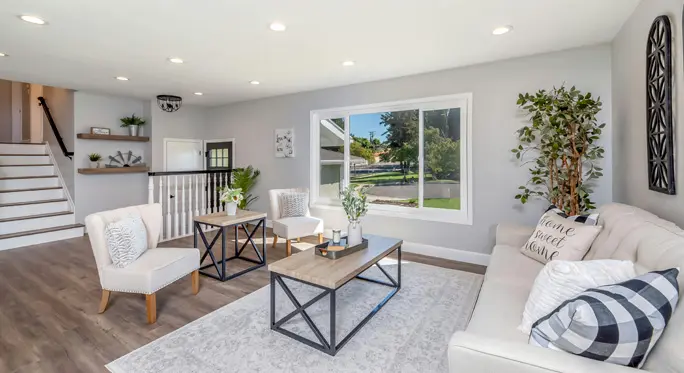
(513, 234)
(477, 354)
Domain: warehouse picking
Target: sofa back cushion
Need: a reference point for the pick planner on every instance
(653, 244)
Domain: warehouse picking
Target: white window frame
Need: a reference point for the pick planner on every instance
(462, 101)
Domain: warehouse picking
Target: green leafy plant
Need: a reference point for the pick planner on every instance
(230, 195)
(245, 179)
(562, 142)
(94, 157)
(133, 120)
(354, 202)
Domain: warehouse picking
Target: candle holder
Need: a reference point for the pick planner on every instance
(336, 236)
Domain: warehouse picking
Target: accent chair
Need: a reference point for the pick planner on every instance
(295, 227)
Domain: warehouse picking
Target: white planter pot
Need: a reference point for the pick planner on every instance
(133, 130)
(354, 234)
(231, 208)
(94, 164)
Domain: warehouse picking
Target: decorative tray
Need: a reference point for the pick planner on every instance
(336, 251)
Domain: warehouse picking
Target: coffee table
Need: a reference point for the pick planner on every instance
(329, 276)
(223, 221)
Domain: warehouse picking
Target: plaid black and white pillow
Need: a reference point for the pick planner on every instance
(586, 219)
(618, 323)
(293, 204)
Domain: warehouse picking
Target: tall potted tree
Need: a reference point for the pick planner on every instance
(561, 145)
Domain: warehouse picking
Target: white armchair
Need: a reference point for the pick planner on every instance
(153, 270)
(292, 227)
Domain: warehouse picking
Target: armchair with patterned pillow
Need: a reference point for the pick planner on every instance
(291, 216)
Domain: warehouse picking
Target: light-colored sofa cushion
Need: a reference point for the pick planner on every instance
(490, 344)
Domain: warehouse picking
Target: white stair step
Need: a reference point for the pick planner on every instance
(13, 210)
(10, 148)
(29, 182)
(13, 159)
(28, 195)
(34, 237)
(34, 222)
(26, 170)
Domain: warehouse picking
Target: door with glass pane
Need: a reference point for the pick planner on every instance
(219, 156)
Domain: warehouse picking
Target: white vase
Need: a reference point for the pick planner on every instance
(231, 208)
(354, 234)
(133, 129)
(94, 164)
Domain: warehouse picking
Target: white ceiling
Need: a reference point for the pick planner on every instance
(227, 43)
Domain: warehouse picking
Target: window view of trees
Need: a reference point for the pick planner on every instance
(389, 144)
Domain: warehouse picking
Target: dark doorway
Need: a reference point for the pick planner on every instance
(219, 156)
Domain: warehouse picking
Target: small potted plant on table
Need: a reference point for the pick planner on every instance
(355, 204)
(231, 197)
(95, 159)
(133, 123)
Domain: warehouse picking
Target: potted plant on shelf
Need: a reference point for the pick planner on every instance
(355, 204)
(133, 123)
(231, 197)
(245, 179)
(95, 159)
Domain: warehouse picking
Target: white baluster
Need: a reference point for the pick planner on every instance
(189, 221)
(161, 201)
(220, 179)
(175, 205)
(150, 190)
(169, 234)
(183, 220)
(197, 186)
(203, 205)
(214, 195)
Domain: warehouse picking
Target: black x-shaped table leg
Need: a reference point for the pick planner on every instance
(221, 272)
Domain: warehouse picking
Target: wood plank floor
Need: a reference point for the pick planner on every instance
(49, 295)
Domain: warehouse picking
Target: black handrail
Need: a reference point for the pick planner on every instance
(194, 172)
(46, 109)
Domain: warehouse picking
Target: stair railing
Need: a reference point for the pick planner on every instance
(46, 109)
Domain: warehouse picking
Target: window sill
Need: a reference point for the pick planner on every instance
(436, 215)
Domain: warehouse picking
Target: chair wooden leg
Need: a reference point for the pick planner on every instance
(275, 240)
(320, 238)
(288, 248)
(195, 281)
(104, 301)
(299, 239)
(151, 302)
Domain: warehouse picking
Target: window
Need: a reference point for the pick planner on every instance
(411, 157)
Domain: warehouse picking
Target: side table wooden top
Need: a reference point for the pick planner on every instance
(309, 267)
(222, 219)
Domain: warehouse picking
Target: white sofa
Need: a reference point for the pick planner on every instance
(492, 343)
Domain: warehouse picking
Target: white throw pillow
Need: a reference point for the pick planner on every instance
(126, 240)
(561, 280)
(559, 238)
(293, 204)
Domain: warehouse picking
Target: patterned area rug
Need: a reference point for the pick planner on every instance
(409, 334)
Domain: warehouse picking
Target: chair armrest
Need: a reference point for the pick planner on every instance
(477, 354)
(513, 234)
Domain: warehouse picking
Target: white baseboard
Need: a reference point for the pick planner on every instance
(446, 253)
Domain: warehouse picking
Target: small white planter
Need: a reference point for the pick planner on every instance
(94, 164)
(133, 130)
(231, 208)
(354, 233)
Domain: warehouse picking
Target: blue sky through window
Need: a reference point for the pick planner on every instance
(363, 124)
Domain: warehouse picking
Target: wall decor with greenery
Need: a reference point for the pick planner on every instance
(660, 141)
(560, 145)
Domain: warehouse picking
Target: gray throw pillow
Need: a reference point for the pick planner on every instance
(293, 204)
(126, 240)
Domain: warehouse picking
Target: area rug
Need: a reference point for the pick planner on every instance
(410, 334)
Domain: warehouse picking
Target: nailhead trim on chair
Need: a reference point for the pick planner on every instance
(157, 289)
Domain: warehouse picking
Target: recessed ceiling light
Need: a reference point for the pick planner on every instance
(502, 30)
(123, 78)
(255, 82)
(4, 55)
(175, 60)
(277, 26)
(198, 93)
(33, 19)
(348, 63)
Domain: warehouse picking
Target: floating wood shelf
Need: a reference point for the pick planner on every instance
(90, 136)
(112, 170)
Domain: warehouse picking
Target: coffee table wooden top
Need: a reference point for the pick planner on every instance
(309, 267)
(222, 219)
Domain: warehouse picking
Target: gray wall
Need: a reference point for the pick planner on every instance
(61, 104)
(96, 193)
(5, 110)
(495, 88)
(189, 122)
(629, 111)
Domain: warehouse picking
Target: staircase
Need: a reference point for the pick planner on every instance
(34, 204)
